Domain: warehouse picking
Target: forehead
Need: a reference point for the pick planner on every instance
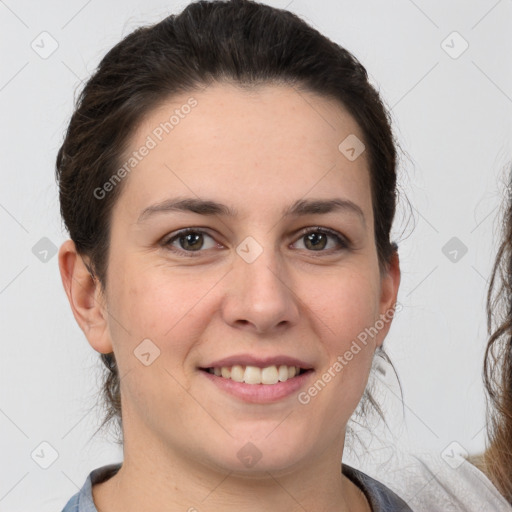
(273, 140)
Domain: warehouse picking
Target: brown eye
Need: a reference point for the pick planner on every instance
(315, 241)
(323, 240)
(189, 241)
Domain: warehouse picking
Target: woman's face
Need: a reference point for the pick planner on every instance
(252, 175)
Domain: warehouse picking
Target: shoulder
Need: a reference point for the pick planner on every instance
(430, 482)
(72, 504)
(83, 501)
(380, 497)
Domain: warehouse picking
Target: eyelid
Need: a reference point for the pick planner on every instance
(186, 231)
(342, 240)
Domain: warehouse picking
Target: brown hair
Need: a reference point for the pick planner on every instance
(497, 460)
(238, 41)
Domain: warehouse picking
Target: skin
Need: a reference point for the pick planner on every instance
(257, 152)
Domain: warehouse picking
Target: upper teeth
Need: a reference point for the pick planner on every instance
(255, 375)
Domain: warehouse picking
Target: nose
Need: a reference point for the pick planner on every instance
(260, 295)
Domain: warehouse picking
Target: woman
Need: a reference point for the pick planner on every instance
(452, 482)
(497, 461)
(228, 180)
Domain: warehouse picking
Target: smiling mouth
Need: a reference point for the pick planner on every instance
(255, 375)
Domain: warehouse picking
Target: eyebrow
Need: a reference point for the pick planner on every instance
(211, 208)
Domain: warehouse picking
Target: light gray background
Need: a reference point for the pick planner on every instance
(453, 119)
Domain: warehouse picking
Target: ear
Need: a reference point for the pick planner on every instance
(390, 282)
(86, 298)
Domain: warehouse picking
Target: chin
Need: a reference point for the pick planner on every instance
(255, 459)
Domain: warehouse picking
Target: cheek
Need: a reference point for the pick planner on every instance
(156, 318)
(348, 306)
(160, 305)
(347, 316)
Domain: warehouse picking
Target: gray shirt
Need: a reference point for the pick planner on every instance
(381, 498)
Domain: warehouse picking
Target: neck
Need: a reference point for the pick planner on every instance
(152, 479)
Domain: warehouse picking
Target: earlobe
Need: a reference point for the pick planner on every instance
(85, 297)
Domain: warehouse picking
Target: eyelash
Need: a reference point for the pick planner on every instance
(342, 241)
